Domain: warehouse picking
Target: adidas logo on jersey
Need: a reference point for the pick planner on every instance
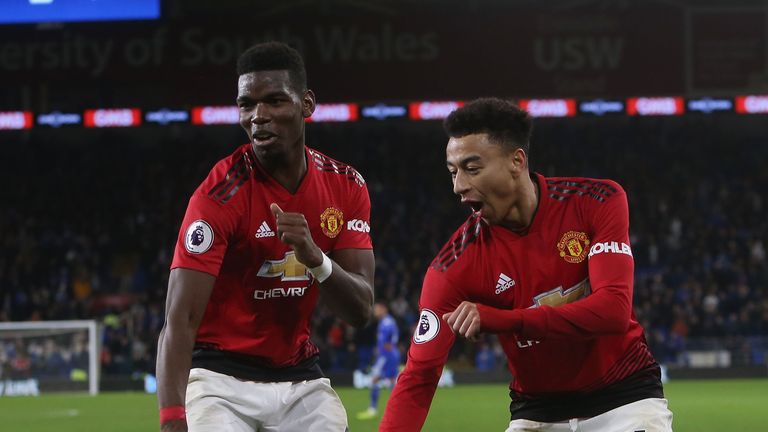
(264, 231)
(504, 283)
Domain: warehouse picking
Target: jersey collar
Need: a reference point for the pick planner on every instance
(276, 186)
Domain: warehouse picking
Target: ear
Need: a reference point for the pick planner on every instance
(308, 103)
(517, 161)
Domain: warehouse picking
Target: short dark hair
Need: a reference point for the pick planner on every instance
(505, 123)
(269, 56)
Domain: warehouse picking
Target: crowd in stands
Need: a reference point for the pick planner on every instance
(40, 355)
(89, 220)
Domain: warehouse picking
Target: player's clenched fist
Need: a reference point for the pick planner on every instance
(465, 320)
(293, 230)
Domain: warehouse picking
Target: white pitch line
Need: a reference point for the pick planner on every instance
(63, 413)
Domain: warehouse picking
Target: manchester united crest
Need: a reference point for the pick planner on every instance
(573, 246)
(331, 221)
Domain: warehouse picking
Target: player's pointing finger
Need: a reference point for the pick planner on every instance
(276, 210)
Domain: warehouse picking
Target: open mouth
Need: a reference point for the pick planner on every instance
(476, 206)
(264, 137)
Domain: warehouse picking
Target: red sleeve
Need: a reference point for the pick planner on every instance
(204, 235)
(608, 309)
(357, 223)
(432, 340)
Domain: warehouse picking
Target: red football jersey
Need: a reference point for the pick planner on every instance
(263, 297)
(570, 276)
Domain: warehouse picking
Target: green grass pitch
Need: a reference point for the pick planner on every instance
(699, 406)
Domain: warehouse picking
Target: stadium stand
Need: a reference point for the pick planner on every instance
(89, 220)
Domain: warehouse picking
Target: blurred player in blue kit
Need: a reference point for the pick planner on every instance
(387, 364)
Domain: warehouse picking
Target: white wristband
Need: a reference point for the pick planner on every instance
(324, 270)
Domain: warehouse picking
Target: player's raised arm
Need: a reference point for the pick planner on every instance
(604, 312)
(188, 293)
(346, 281)
(411, 398)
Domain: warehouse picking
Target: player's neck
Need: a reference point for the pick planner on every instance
(521, 214)
(289, 170)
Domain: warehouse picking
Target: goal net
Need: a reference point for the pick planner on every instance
(48, 356)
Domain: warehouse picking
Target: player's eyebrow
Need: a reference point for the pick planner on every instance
(468, 159)
(465, 161)
(271, 95)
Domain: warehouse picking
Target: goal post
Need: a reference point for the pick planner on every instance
(49, 356)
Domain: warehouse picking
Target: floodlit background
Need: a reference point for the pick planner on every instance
(111, 115)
